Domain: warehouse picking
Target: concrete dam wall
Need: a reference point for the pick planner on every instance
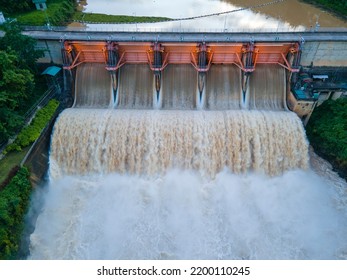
(318, 48)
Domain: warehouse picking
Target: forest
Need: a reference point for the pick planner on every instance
(327, 133)
(59, 12)
(17, 79)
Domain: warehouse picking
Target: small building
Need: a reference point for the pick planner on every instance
(314, 87)
(52, 77)
(40, 4)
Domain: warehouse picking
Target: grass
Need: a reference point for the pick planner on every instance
(58, 12)
(11, 160)
(102, 18)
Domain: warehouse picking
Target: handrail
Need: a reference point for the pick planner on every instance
(117, 28)
(39, 103)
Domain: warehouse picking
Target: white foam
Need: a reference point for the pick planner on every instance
(182, 215)
(87, 141)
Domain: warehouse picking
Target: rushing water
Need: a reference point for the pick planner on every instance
(270, 81)
(186, 184)
(287, 14)
(182, 215)
(154, 141)
(136, 87)
(93, 86)
(223, 87)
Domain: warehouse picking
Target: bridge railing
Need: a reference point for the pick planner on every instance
(115, 28)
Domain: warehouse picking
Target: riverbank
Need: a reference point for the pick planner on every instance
(336, 7)
(108, 19)
(17, 184)
(14, 153)
(63, 12)
(14, 203)
(327, 133)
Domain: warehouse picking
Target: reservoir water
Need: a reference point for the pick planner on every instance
(281, 15)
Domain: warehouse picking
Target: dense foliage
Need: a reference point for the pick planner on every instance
(16, 6)
(337, 6)
(29, 134)
(14, 201)
(24, 47)
(327, 132)
(58, 12)
(15, 84)
(17, 63)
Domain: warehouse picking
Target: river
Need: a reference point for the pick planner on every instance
(281, 15)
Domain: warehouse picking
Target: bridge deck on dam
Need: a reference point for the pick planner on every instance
(87, 35)
(319, 48)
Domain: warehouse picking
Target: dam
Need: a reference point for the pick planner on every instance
(183, 149)
(247, 52)
(171, 90)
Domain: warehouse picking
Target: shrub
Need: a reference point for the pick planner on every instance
(14, 202)
(327, 132)
(29, 134)
(9, 177)
(58, 12)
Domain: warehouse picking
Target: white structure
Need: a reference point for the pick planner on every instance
(40, 4)
(2, 18)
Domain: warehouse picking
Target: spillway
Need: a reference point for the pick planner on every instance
(267, 88)
(136, 87)
(140, 141)
(181, 182)
(223, 88)
(179, 87)
(93, 87)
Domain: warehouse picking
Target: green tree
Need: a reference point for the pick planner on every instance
(18, 58)
(10, 122)
(327, 132)
(16, 85)
(16, 6)
(337, 6)
(14, 202)
(23, 46)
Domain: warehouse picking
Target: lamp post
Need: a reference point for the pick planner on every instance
(317, 25)
(225, 23)
(134, 14)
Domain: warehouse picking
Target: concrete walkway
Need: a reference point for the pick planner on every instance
(189, 36)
